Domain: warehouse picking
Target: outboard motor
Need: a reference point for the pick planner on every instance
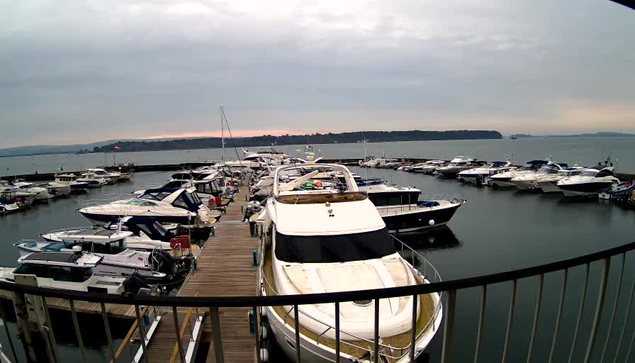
(161, 261)
(133, 283)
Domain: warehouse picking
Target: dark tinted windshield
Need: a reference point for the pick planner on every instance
(340, 248)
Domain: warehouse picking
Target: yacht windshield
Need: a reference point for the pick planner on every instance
(589, 173)
(337, 248)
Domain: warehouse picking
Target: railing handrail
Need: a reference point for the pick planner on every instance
(320, 298)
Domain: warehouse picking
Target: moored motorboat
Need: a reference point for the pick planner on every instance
(456, 165)
(429, 167)
(589, 183)
(93, 180)
(503, 180)
(403, 212)
(478, 175)
(343, 246)
(529, 180)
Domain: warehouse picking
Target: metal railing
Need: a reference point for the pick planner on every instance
(591, 343)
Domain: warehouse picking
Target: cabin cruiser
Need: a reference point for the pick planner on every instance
(369, 162)
(64, 270)
(325, 237)
(548, 183)
(528, 181)
(93, 180)
(457, 165)
(9, 206)
(503, 180)
(140, 233)
(206, 189)
(37, 194)
(403, 212)
(429, 167)
(589, 183)
(71, 181)
(167, 205)
(110, 176)
(478, 175)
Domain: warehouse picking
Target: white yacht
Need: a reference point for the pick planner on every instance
(93, 180)
(110, 176)
(503, 180)
(71, 181)
(175, 205)
(456, 165)
(549, 183)
(36, 194)
(589, 183)
(478, 175)
(529, 181)
(64, 270)
(57, 190)
(429, 167)
(330, 238)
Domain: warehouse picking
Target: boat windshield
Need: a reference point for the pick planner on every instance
(589, 173)
(336, 248)
(141, 202)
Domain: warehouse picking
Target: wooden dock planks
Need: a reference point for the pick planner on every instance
(225, 268)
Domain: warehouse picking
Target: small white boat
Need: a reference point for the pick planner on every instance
(549, 183)
(456, 165)
(529, 181)
(478, 175)
(57, 190)
(429, 167)
(503, 180)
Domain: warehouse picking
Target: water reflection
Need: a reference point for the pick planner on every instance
(431, 240)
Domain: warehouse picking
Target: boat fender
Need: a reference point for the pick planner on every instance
(175, 243)
(264, 355)
(431, 222)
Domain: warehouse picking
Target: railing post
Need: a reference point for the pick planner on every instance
(177, 330)
(448, 327)
(536, 318)
(376, 347)
(510, 320)
(142, 333)
(3, 316)
(298, 355)
(337, 332)
(104, 316)
(481, 324)
(580, 312)
(413, 337)
(628, 314)
(598, 310)
(617, 301)
(77, 331)
(556, 329)
(216, 334)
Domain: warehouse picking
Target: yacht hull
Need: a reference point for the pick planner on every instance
(312, 352)
(106, 218)
(418, 218)
(583, 189)
(549, 187)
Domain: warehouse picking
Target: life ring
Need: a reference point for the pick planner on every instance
(175, 243)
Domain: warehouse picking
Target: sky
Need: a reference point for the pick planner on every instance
(84, 71)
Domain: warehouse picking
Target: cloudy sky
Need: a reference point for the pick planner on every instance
(82, 71)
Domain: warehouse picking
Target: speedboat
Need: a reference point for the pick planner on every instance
(167, 205)
(57, 190)
(403, 212)
(429, 167)
(503, 180)
(589, 183)
(548, 183)
(330, 238)
(457, 165)
(93, 180)
(37, 194)
(529, 181)
(8, 206)
(478, 175)
(64, 270)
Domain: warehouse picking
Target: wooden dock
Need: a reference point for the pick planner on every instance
(225, 268)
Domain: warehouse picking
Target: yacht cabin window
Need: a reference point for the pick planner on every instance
(336, 248)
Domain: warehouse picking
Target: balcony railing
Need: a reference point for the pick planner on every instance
(604, 310)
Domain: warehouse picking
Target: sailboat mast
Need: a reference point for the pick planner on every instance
(222, 131)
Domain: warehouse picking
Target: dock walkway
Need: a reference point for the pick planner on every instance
(225, 268)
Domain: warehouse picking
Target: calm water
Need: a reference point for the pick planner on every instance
(587, 151)
(497, 230)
